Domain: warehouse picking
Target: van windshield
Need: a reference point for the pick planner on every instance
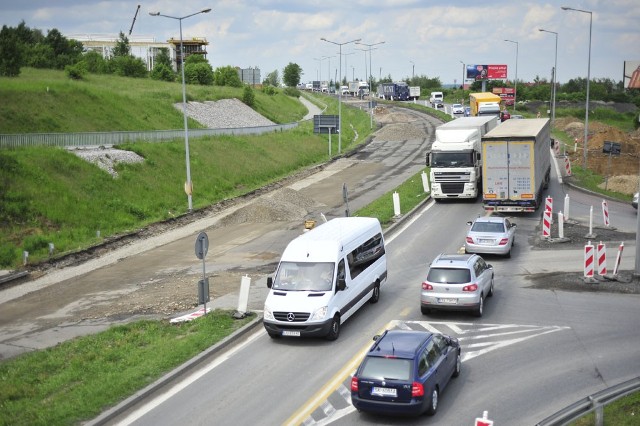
(304, 276)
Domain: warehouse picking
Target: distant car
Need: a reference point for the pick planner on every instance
(404, 372)
(467, 111)
(504, 115)
(457, 109)
(634, 202)
(517, 116)
(490, 235)
(457, 282)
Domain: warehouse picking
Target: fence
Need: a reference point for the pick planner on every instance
(115, 138)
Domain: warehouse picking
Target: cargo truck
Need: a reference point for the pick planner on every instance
(395, 91)
(455, 157)
(516, 165)
(484, 103)
(358, 88)
(414, 92)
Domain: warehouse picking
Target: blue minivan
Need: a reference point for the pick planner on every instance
(404, 372)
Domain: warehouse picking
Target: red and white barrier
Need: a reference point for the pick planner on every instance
(601, 256)
(618, 258)
(589, 257)
(546, 224)
(556, 146)
(567, 166)
(605, 213)
(548, 203)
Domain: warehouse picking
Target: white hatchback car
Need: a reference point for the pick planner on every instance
(457, 282)
(457, 109)
(490, 235)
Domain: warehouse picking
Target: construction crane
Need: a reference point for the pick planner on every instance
(134, 19)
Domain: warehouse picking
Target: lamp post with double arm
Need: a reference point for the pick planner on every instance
(188, 186)
(555, 78)
(515, 94)
(370, 78)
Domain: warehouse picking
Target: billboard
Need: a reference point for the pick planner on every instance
(631, 76)
(486, 72)
(507, 94)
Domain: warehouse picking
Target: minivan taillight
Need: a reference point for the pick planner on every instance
(416, 389)
(427, 286)
(470, 287)
(354, 384)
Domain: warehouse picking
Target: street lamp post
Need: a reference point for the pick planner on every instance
(340, 91)
(370, 79)
(319, 74)
(586, 114)
(346, 66)
(555, 78)
(413, 69)
(515, 95)
(188, 186)
(463, 69)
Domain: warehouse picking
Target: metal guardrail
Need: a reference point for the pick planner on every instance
(115, 138)
(593, 403)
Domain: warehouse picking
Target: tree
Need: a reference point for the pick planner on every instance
(273, 79)
(227, 76)
(248, 97)
(198, 73)
(291, 74)
(128, 66)
(163, 57)
(95, 63)
(122, 47)
(10, 54)
(163, 73)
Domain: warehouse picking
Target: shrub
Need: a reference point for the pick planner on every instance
(269, 90)
(291, 91)
(248, 97)
(75, 72)
(8, 256)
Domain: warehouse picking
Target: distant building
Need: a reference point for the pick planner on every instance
(143, 47)
(249, 75)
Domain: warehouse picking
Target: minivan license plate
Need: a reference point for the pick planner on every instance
(384, 391)
(294, 333)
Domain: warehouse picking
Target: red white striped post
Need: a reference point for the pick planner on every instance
(567, 166)
(588, 260)
(546, 224)
(618, 258)
(605, 213)
(601, 255)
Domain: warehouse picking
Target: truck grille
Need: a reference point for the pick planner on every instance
(452, 187)
(451, 177)
(297, 316)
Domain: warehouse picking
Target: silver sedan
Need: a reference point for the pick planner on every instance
(490, 235)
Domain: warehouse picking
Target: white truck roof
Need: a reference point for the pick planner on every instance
(527, 127)
(456, 135)
(467, 122)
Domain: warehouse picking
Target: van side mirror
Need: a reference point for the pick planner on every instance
(342, 284)
(269, 282)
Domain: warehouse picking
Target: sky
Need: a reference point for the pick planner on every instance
(432, 38)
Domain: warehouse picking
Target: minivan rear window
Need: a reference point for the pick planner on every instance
(386, 368)
(449, 275)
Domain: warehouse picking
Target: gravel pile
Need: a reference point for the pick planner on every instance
(400, 132)
(106, 158)
(224, 114)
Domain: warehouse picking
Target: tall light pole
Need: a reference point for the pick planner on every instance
(188, 186)
(319, 68)
(413, 69)
(586, 114)
(555, 78)
(463, 72)
(340, 91)
(346, 66)
(515, 95)
(370, 79)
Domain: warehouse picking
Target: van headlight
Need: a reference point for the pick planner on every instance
(268, 315)
(319, 314)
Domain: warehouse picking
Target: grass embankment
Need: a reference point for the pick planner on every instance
(49, 195)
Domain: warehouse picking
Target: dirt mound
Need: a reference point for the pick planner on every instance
(622, 169)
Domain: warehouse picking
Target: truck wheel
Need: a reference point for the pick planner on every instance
(334, 331)
(376, 293)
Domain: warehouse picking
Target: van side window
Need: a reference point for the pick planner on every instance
(365, 255)
(341, 272)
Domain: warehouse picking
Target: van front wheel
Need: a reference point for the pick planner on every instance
(376, 293)
(334, 331)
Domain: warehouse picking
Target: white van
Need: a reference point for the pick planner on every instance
(324, 277)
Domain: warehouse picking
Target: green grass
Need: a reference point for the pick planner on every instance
(77, 379)
(623, 412)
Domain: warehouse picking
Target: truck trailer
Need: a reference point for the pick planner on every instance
(455, 157)
(395, 91)
(516, 165)
(414, 92)
(484, 103)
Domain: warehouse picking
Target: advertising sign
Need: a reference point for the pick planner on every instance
(486, 72)
(631, 74)
(507, 94)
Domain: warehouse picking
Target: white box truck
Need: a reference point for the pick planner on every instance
(324, 276)
(414, 92)
(437, 99)
(455, 157)
(516, 165)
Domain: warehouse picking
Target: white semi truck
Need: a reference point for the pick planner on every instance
(455, 157)
(516, 165)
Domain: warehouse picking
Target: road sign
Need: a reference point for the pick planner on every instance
(326, 124)
(202, 245)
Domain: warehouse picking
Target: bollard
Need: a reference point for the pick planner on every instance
(243, 297)
(567, 166)
(560, 225)
(546, 224)
(25, 257)
(425, 182)
(605, 213)
(588, 260)
(51, 248)
(566, 207)
(601, 255)
(548, 205)
(396, 204)
(618, 258)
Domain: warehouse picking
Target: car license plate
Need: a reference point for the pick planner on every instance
(448, 301)
(294, 333)
(485, 241)
(384, 391)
